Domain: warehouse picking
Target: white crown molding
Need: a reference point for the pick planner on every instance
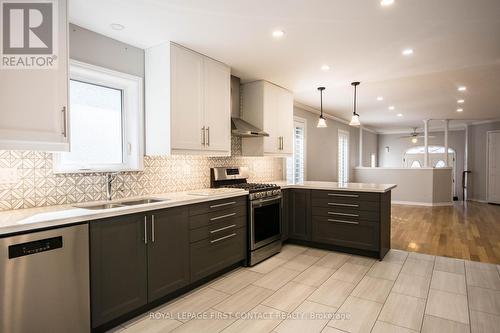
(326, 115)
(420, 130)
(481, 122)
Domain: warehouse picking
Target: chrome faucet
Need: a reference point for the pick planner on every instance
(109, 185)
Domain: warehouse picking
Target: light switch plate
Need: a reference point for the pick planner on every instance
(8, 176)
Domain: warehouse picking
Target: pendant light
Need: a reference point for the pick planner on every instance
(321, 120)
(355, 116)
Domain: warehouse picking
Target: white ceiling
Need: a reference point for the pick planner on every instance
(456, 42)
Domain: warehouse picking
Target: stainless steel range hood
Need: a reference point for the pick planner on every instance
(239, 127)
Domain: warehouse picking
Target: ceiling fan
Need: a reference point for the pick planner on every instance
(414, 136)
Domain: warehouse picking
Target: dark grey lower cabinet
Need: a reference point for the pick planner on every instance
(136, 259)
(299, 214)
(118, 267)
(168, 252)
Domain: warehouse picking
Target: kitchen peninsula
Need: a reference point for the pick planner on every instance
(349, 217)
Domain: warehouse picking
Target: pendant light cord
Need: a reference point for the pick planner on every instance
(321, 100)
(355, 84)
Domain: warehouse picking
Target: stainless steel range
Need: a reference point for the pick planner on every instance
(265, 211)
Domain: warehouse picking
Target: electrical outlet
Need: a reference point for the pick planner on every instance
(8, 176)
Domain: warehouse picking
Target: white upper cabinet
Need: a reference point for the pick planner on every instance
(187, 103)
(34, 102)
(269, 107)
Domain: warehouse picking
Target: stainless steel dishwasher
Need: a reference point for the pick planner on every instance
(44, 281)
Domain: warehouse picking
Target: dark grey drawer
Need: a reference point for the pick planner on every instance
(198, 221)
(215, 230)
(345, 195)
(347, 203)
(217, 205)
(347, 213)
(342, 232)
(211, 255)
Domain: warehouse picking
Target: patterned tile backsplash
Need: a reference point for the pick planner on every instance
(38, 185)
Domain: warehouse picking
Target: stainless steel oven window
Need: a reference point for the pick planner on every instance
(265, 221)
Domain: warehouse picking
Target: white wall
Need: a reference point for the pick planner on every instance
(322, 147)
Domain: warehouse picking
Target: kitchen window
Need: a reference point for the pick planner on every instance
(343, 158)
(105, 123)
(296, 164)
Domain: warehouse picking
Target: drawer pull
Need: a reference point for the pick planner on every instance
(342, 204)
(222, 217)
(343, 195)
(222, 238)
(342, 221)
(222, 229)
(223, 204)
(343, 214)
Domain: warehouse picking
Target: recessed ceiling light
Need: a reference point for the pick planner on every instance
(392, 107)
(386, 2)
(462, 88)
(460, 110)
(399, 115)
(278, 33)
(380, 98)
(325, 68)
(461, 101)
(407, 52)
(117, 26)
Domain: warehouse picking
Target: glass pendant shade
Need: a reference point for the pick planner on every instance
(321, 122)
(355, 120)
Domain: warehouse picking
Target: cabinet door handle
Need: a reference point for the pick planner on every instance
(153, 228)
(343, 195)
(222, 238)
(342, 204)
(282, 143)
(223, 204)
(343, 214)
(342, 221)
(222, 217)
(64, 131)
(208, 135)
(222, 229)
(145, 229)
(203, 136)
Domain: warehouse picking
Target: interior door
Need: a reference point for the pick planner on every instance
(493, 181)
(187, 99)
(217, 95)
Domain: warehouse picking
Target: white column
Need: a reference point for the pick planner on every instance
(446, 145)
(426, 143)
(360, 146)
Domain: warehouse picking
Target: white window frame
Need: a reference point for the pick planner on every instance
(347, 166)
(303, 124)
(132, 117)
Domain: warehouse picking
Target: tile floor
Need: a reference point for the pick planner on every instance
(310, 290)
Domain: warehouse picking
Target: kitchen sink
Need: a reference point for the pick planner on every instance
(142, 201)
(102, 206)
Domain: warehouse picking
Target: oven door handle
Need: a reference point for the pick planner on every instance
(258, 203)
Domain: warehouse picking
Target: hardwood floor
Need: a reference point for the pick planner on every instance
(466, 231)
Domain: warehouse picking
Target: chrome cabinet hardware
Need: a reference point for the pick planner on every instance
(203, 135)
(343, 214)
(342, 221)
(222, 238)
(343, 195)
(145, 230)
(222, 229)
(153, 228)
(342, 204)
(223, 204)
(65, 122)
(208, 136)
(222, 217)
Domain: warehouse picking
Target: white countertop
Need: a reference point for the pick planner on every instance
(20, 220)
(354, 187)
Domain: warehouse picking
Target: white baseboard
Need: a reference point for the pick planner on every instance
(426, 204)
(477, 200)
